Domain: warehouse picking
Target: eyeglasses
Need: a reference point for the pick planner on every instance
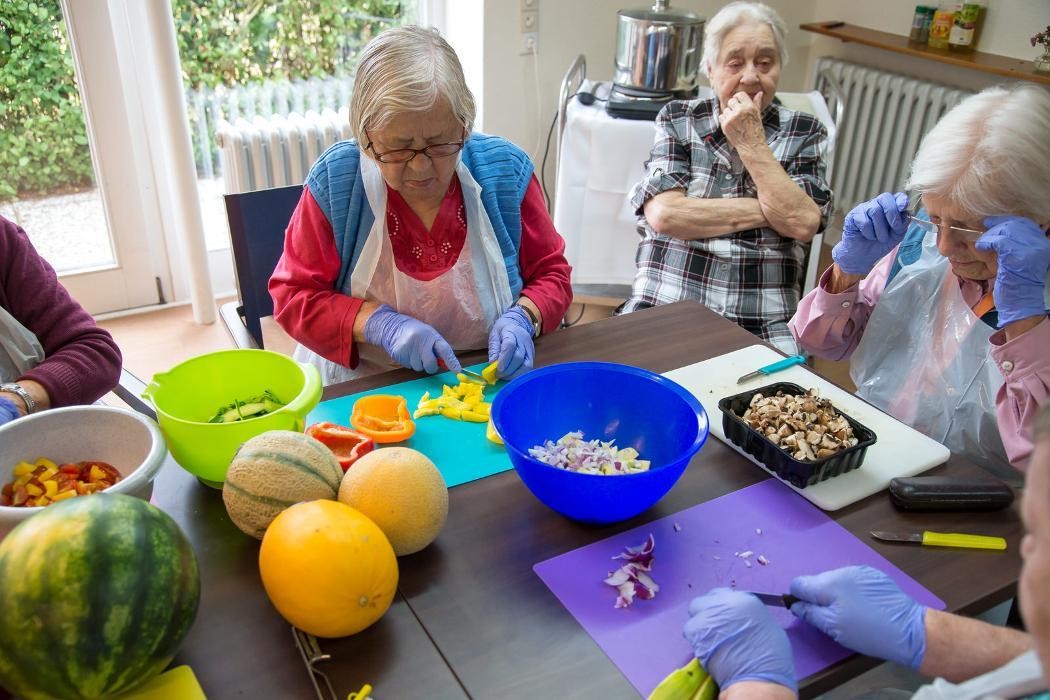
(403, 155)
(967, 234)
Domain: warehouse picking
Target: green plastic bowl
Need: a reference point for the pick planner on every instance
(190, 393)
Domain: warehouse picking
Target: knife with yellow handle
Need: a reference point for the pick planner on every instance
(942, 539)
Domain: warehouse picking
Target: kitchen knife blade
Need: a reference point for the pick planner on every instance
(942, 539)
(775, 367)
(468, 372)
(784, 600)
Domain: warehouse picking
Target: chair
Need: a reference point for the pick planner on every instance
(257, 224)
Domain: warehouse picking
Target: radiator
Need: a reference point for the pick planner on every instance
(885, 117)
(276, 150)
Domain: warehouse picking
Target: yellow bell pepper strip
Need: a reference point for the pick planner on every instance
(347, 445)
(382, 417)
(463, 402)
(491, 434)
(489, 373)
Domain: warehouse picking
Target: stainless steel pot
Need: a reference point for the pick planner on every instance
(658, 50)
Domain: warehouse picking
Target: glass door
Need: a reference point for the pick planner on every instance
(67, 163)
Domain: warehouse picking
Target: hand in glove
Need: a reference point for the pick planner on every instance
(510, 341)
(8, 410)
(871, 230)
(736, 639)
(1024, 260)
(863, 609)
(409, 342)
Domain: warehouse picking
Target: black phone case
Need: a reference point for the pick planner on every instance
(948, 493)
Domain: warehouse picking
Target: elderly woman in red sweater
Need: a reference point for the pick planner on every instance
(51, 352)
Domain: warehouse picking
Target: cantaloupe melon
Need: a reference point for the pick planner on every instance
(273, 471)
(402, 491)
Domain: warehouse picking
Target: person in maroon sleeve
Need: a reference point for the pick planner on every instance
(419, 237)
(51, 352)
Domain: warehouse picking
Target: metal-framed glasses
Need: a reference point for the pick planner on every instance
(967, 234)
(403, 155)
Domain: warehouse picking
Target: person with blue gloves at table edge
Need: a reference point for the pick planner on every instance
(419, 238)
(943, 314)
(51, 351)
(740, 644)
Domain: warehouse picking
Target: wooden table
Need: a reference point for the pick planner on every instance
(472, 619)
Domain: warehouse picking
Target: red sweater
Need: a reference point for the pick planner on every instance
(309, 307)
(81, 361)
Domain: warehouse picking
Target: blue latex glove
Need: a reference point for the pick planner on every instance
(736, 639)
(863, 609)
(8, 411)
(510, 340)
(870, 231)
(409, 342)
(1024, 259)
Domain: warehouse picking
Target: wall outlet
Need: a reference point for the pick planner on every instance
(530, 43)
(530, 21)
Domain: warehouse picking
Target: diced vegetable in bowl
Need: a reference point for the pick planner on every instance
(572, 453)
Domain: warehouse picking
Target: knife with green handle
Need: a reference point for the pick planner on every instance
(942, 539)
(775, 367)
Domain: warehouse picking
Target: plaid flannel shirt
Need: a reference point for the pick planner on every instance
(754, 277)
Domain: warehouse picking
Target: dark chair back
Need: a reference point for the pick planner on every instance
(257, 224)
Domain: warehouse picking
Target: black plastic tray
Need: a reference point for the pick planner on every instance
(797, 472)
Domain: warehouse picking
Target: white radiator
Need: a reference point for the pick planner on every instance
(275, 151)
(886, 115)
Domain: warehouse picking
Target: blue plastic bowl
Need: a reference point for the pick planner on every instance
(632, 406)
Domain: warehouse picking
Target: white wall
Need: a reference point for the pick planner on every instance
(571, 27)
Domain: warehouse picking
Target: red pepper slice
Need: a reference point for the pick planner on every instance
(346, 444)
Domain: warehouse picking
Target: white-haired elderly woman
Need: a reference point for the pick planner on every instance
(734, 187)
(418, 238)
(943, 314)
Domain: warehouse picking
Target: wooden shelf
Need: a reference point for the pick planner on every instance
(1013, 68)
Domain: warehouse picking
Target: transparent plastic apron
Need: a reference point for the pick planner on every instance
(462, 304)
(20, 350)
(925, 359)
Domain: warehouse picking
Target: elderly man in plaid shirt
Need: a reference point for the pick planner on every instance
(734, 187)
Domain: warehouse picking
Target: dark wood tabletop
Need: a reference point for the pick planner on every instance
(472, 618)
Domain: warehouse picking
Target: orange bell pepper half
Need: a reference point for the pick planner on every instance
(347, 445)
(383, 417)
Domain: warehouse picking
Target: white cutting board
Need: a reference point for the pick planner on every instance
(899, 450)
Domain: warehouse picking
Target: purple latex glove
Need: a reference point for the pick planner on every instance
(409, 342)
(510, 341)
(736, 639)
(8, 410)
(871, 230)
(1024, 259)
(863, 609)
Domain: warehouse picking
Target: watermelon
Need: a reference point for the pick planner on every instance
(96, 594)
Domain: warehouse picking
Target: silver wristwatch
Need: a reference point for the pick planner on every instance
(18, 389)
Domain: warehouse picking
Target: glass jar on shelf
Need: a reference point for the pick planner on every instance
(941, 26)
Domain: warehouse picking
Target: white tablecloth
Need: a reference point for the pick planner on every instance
(602, 159)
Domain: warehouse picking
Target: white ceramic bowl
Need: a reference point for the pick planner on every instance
(129, 441)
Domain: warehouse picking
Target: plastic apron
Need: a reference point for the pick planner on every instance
(462, 304)
(20, 350)
(925, 359)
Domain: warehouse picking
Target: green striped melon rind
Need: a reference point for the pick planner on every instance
(96, 595)
(276, 470)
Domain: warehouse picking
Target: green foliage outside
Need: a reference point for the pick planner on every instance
(43, 142)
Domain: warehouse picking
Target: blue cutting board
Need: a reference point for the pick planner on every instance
(460, 449)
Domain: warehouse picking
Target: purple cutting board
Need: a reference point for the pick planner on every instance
(645, 640)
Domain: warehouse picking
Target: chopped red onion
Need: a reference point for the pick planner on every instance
(632, 578)
(572, 453)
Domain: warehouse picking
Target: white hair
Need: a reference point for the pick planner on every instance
(990, 155)
(407, 69)
(732, 16)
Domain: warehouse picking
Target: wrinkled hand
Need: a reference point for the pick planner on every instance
(736, 639)
(409, 342)
(863, 609)
(510, 341)
(871, 230)
(741, 121)
(8, 410)
(1024, 259)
